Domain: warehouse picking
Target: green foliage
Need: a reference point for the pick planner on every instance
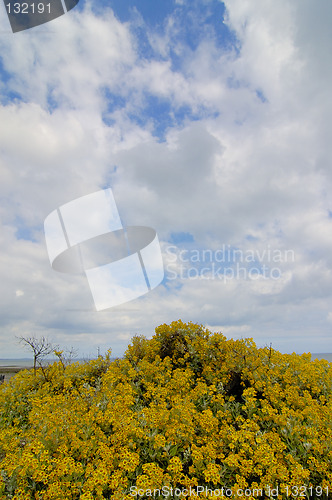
(182, 409)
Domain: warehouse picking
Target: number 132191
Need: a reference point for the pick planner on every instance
(28, 8)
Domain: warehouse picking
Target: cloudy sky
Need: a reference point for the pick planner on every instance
(210, 121)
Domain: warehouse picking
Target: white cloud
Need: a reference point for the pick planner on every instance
(244, 172)
(71, 60)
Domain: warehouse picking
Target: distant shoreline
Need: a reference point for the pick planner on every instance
(9, 370)
(10, 367)
(16, 369)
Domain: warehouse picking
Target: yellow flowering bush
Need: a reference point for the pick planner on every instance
(188, 412)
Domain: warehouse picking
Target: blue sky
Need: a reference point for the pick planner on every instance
(209, 120)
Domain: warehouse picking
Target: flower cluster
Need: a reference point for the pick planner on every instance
(183, 409)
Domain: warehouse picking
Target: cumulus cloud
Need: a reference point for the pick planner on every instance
(225, 139)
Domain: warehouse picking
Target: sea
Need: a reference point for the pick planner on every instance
(23, 362)
(16, 363)
(8, 364)
(28, 362)
(322, 355)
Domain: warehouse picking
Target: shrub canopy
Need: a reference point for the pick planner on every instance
(186, 409)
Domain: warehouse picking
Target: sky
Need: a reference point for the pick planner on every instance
(210, 122)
